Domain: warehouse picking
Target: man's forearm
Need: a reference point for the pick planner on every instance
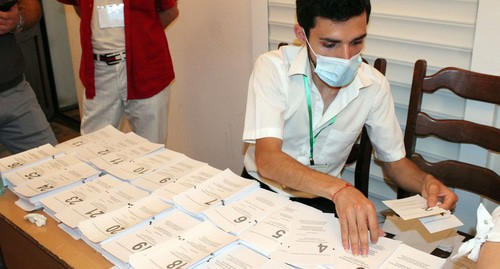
(285, 170)
(168, 16)
(405, 174)
(31, 11)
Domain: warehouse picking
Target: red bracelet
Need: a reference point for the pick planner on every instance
(346, 185)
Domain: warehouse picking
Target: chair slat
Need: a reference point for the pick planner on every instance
(462, 175)
(459, 131)
(465, 84)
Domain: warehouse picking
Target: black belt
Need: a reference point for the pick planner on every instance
(110, 58)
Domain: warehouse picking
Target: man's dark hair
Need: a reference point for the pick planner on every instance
(335, 10)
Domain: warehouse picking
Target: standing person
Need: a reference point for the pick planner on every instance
(22, 122)
(306, 106)
(126, 67)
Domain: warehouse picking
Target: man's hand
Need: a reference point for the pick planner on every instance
(410, 177)
(433, 190)
(8, 20)
(358, 220)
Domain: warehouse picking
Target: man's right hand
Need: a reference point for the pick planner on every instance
(358, 220)
(8, 20)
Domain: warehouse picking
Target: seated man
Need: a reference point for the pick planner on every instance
(306, 106)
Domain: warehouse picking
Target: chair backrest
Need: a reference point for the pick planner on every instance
(453, 173)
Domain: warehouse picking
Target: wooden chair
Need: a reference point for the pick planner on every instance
(469, 85)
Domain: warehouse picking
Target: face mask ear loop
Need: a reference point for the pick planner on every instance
(309, 45)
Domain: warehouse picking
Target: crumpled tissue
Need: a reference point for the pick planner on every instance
(38, 219)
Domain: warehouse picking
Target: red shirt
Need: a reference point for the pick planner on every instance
(149, 64)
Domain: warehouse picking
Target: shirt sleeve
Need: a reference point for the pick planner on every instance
(266, 100)
(383, 127)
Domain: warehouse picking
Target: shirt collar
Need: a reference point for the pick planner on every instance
(300, 64)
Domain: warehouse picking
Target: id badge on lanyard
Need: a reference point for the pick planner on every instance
(111, 16)
(320, 167)
(323, 168)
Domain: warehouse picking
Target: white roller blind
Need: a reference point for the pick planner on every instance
(403, 31)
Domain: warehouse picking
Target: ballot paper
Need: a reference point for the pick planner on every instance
(119, 220)
(74, 196)
(27, 158)
(191, 248)
(441, 222)
(167, 174)
(22, 175)
(272, 231)
(159, 230)
(237, 217)
(34, 190)
(377, 254)
(115, 198)
(222, 188)
(105, 147)
(108, 133)
(410, 258)
(237, 256)
(57, 180)
(186, 182)
(413, 207)
(142, 166)
(313, 241)
(128, 154)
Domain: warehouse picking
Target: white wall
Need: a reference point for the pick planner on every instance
(211, 45)
(73, 25)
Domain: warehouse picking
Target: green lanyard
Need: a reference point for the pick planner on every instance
(312, 137)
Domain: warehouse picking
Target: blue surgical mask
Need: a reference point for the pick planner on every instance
(336, 72)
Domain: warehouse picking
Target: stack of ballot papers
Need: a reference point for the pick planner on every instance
(239, 216)
(168, 174)
(34, 182)
(160, 229)
(222, 188)
(132, 215)
(176, 186)
(141, 205)
(27, 158)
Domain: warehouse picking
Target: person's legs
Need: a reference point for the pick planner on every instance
(106, 108)
(148, 117)
(23, 124)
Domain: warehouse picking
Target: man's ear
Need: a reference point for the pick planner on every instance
(300, 34)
